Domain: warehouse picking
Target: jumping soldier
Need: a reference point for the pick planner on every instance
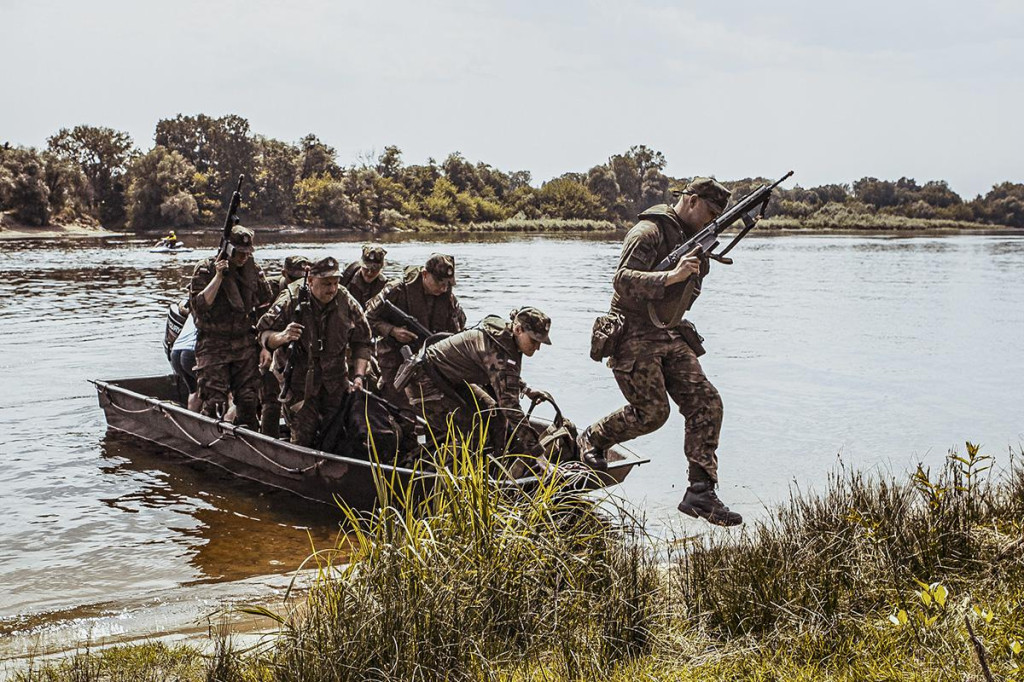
(330, 325)
(224, 295)
(426, 294)
(650, 362)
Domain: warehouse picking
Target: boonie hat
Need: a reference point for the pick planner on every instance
(534, 322)
(295, 266)
(441, 266)
(373, 255)
(708, 189)
(241, 238)
(325, 267)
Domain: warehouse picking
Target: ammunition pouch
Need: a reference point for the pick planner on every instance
(604, 339)
(694, 340)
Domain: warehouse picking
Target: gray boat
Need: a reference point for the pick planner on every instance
(151, 408)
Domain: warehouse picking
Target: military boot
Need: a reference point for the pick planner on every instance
(701, 501)
(593, 456)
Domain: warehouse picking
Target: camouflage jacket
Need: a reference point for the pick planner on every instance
(646, 244)
(486, 355)
(242, 294)
(328, 331)
(360, 289)
(437, 313)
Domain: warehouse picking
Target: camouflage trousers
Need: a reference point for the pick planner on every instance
(238, 376)
(307, 417)
(270, 406)
(649, 368)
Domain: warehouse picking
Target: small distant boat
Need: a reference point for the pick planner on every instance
(177, 247)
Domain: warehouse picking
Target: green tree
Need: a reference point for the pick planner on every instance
(159, 190)
(322, 200)
(567, 198)
(273, 183)
(103, 155)
(440, 206)
(23, 189)
(389, 163)
(71, 195)
(317, 159)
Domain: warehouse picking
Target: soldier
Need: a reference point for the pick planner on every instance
(224, 295)
(270, 407)
(649, 362)
(489, 356)
(425, 294)
(330, 325)
(363, 277)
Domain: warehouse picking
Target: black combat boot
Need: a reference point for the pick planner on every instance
(593, 456)
(701, 501)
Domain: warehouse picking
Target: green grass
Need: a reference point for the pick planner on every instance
(870, 579)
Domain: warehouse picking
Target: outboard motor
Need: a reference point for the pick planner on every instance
(177, 313)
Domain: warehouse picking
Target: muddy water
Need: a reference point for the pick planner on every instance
(876, 351)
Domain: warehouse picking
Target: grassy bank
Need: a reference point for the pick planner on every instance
(867, 579)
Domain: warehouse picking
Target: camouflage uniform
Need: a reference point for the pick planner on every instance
(270, 407)
(437, 313)
(351, 279)
(476, 370)
(651, 364)
(227, 355)
(320, 375)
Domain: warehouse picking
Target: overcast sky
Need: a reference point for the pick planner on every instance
(835, 91)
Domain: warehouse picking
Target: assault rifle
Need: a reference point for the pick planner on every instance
(392, 314)
(230, 221)
(294, 348)
(669, 311)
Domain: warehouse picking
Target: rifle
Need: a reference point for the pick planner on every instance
(230, 221)
(302, 303)
(392, 314)
(668, 312)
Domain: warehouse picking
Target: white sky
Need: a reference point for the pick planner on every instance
(835, 91)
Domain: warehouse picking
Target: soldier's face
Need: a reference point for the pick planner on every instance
(324, 289)
(238, 258)
(694, 211)
(371, 272)
(526, 343)
(433, 285)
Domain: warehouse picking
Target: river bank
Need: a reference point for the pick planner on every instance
(11, 230)
(916, 577)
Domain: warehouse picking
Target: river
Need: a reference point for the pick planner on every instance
(869, 352)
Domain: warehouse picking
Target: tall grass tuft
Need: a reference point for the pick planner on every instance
(473, 580)
(857, 548)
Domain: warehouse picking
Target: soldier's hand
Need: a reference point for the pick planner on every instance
(291, 333)
(687, 267)
(221, 265)
(403, 335)
(265, 359)
(356, 385)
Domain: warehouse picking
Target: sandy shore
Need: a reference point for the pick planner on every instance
(11, 230)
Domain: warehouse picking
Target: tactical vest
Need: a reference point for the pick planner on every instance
(223, 319)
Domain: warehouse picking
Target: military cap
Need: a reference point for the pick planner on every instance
(325, 267)
(534, 322)
(241, 238)
(295, 266)
(708, 189)
(373, 255)
(441, 266)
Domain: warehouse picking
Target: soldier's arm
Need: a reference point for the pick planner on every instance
(360, 335)
(203, 278)
(379, 326)
(634, 278)
(458, 315)
(275, 321)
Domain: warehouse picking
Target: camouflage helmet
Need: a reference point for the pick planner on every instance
(373, 255)
(295, 266)
(534, 322)
(325, 267)
(708, 189)
(241, 239)
(442, 267)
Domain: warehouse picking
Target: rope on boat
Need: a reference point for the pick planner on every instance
(189, 435)
(110, 400)
(291, 470)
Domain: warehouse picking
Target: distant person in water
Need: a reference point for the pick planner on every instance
(170, 241)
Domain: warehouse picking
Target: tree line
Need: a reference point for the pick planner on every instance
(97, 175)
